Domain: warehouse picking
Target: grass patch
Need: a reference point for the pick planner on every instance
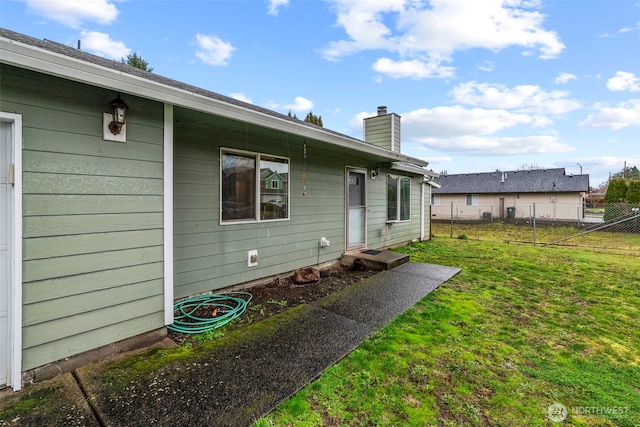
(603, 240)
(518, 329)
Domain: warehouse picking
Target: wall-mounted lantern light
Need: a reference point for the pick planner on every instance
(374, 173)
(119, 115)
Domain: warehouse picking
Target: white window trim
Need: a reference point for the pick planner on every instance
(399, 199)
(257, 182)
(14, 376)
(435, 199)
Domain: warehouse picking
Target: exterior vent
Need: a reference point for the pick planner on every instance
(382, 110)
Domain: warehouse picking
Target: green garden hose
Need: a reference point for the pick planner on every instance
(222, 309)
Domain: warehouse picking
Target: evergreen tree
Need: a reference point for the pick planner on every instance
(135, 60)
(628, 172)
(633, 191)
(614, 198)
(312, 118)
(616, 191)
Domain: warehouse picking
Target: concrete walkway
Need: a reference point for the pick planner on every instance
(247, 374)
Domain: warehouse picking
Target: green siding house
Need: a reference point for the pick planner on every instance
(101, 231)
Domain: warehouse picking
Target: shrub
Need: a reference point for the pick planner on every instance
(615, 198)
(616, 191)
(633, 191)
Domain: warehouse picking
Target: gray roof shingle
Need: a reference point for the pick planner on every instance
(127, 69)
(526, 181)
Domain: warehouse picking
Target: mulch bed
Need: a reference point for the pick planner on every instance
(283, 293)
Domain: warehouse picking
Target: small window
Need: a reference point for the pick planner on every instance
(473, 200)
(254, 187)
(398, 198)
(435, 199)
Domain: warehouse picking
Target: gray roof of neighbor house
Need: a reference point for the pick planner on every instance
(72, 63)
(526, 181)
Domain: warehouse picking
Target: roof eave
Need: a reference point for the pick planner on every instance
(41, 60)
(414, 168)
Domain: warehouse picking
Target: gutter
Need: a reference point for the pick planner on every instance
(38, 59)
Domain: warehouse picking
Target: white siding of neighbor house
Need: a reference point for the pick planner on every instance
(552, 206)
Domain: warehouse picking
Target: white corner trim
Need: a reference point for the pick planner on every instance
(422, 210)
(15, 307)
(168, 214)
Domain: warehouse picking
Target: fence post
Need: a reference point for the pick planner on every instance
(578, 212)
(534, 224)
(451, 226)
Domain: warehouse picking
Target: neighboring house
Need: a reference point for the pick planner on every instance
(102, 231)
(273, 193)
(510, 195)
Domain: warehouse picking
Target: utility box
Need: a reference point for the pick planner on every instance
(511, 213)
(486, 216)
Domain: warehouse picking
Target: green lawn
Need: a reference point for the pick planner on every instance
(519, 329)
(601, 241)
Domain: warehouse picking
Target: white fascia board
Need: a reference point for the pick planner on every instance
(44, 61)
(413, 168)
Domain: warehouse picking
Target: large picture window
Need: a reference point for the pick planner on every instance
(398, 198)
(255, 187)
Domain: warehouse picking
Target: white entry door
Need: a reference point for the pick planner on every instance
(5, 255)
(357, 209)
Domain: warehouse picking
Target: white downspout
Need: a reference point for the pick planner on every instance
(168, 213)
(422, 210)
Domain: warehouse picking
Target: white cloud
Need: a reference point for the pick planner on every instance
(73, 12)
(599, 168)
(563, 78)
(617, 117)
(498, 146)
(622, 30)
(431, 32)
(212, 50)
(275, 5)
(522, 98)
(474, 131)
(102, 45)
(446, 122)
(300, 104)
(486, 66)
(415, 69)
(241, 97)
(624, 81)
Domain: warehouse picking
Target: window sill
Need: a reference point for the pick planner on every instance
(252, 221)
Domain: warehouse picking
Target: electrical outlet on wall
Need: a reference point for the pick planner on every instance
(252, 258)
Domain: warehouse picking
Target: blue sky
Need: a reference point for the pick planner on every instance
(480, 85)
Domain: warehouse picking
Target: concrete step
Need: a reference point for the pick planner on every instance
(375, 259)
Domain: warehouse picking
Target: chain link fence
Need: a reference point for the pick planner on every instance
(612, 227)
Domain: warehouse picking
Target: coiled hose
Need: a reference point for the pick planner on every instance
(221, 309)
